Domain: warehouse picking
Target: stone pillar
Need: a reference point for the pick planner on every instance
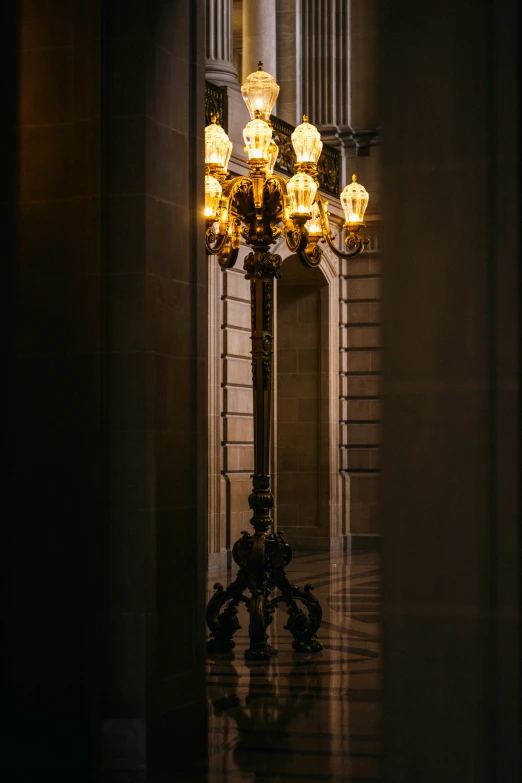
(218, 65)
(338, 64)
(259, 36)
(362, 85)
(104, 438)
(450, 514)
(287, 37)
(324, 62)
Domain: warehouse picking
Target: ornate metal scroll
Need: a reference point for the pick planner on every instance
(216, 105)
(328, 170)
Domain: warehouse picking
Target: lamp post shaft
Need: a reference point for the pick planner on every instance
(261, 268)
(263, 555)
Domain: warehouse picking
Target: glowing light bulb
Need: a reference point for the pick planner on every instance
(208, 212)
(354, 200)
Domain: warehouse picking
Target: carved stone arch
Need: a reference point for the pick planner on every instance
(328, 270)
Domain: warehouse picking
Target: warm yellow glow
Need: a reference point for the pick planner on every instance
(301, 191)
(354, 200)
(260, 92)
(273, 153)
(218, 146)
(213, 191)
(306, 141)
(257, 135)
(314, 224)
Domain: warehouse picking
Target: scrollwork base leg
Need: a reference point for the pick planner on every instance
(260, 612)
(262, 559)
(223, 623)
(302, 625)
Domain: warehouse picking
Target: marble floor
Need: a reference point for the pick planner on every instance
(302, 719)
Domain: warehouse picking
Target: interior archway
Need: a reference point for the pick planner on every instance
(303, 414)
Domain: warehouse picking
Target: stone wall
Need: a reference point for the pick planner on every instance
(451, 511)
(106, 432)
(231, 404)
(360, 392)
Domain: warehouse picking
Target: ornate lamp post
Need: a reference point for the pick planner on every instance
(260, 208)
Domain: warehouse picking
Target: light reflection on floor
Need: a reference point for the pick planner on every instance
(302, 718)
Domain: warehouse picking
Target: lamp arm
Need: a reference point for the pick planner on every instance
(353, 241)
(215, 241)
(224, 245)
(232, 185)
(311, 256)
(296, 237)
(280, 183)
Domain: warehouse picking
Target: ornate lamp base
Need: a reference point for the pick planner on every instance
(262, 558)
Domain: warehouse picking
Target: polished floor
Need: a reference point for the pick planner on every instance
(302, 719)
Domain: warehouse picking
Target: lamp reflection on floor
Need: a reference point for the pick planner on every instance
(303, 718)
(265, 743)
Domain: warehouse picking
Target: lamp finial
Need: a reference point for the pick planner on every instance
(354, 177)
(305, 117)
(260, 66)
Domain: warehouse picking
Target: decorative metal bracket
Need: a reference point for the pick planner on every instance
(353, 241)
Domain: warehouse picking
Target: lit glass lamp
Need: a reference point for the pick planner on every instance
(306, 141)
(354, 200)
(260, 92)
(218, 147)
(213, 192)
(313, 226)
(301, 190)
(273, 153)
(257, 135)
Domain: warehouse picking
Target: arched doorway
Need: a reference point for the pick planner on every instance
(306, 422)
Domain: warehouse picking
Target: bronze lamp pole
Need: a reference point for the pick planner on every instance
(260, 208)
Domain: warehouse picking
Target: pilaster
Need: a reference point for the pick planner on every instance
(259, 36)
(218, 64)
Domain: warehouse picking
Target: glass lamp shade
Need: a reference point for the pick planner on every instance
(273, 152)
(213, 192)
(218, 146)
(306, 141)
(260, 92)
(301, 190)
(257, 136)
(354, 200)
(313, 225)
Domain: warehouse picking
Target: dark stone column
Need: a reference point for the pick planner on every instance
(152, 686)
(450, 106)
(105, 433)
(52, 493)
